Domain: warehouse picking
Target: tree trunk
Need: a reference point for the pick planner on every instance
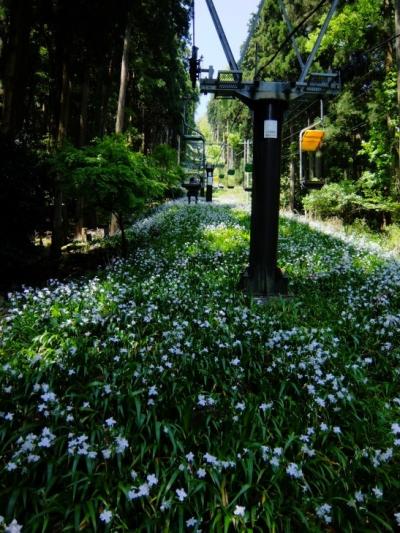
(124, 242)
(16, 61)
(397, 48)
(83, 116)
(119, 124)
(64, 104)
(105, 84)
(82, 140)
(58, 232)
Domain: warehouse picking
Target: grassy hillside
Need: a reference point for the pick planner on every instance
(157, 397)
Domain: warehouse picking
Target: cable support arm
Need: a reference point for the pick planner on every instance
(289, 37)
(222, 37)
(317, 44)
(290, 28)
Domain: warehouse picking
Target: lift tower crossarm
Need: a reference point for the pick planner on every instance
(290, 28)
(222, 37)
(311, 57)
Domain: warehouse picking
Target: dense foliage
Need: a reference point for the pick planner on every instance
(155, 396)
(361, 124)
(61, 68)
(112, 178)
(72, 71)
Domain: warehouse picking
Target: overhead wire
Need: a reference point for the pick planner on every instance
(293, 32)
(361, 93)
(292, 119)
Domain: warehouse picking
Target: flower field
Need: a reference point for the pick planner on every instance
(157, 397)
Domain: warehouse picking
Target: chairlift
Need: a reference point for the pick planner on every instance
(248, 177)
(231, 172)
(310, 140)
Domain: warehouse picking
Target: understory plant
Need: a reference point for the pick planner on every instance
(156, 396)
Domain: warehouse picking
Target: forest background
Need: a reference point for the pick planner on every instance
(358, 165)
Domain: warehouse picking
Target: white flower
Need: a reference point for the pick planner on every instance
(110, 422)
(133, 474)
(201, 473)
(323, 426)
(1, 520)
(11, 466)
(293, 470)
(192, 522)
(144, 489)
(274, 461)
(235, 362)
(106, 516)
(45, 442)
(48, 397)
(122, 444)
(265, 406)
(337, 430)
(106, 453)
(14, 527)
(201, 400)
(152, 480)
(359, 496)
(190, 457)
(181, 493)
(240, 406)
(377, 492)
(397, 518)
(323, 511)
(211, 459)
(396, 428)
(239, 510)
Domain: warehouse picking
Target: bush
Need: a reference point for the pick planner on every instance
(343, 200)
(165, 158)
(113, 178)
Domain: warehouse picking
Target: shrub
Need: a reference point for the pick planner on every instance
(112, 177)
(343, 200)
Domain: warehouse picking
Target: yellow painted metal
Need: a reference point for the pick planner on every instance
(311, 140)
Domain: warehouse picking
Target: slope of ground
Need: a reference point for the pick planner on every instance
(157, 397)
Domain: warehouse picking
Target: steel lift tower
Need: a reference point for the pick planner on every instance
(268, 101)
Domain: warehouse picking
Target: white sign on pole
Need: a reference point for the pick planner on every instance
(270, 129)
